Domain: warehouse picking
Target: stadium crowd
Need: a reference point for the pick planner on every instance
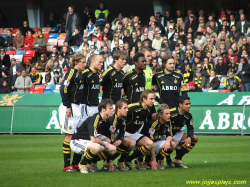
(210, 49)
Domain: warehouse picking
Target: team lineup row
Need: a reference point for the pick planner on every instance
(92, 129)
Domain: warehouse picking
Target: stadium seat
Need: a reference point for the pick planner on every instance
(10, 52)
(14, 92)
(46, 35)
(14, 30)
(38, 91)
(63, 35)
(25, 58)
(19, 58)
(51, 87)
(204, 91)
(213, 90)
(48, 91)
(49, 48)
(1, 30)
(46, 29)
(74, 48)
(53, 35)
(37, 28)
(20, 52)
(221, 87)
(52, 41)
(54, 29)
(4, 35)
(31, 52)
(39, 88)
(224, 90)
(60, 42)
(5, 30)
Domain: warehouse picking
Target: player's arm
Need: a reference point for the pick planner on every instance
(153, 161)
(190, 132)
(104, 78)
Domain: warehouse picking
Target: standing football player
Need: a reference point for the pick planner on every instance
(70, 111)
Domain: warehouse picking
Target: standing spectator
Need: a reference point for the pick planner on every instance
(13, 79)
(18, 40)
(40, 42)
(9, 40)
(63, 23)
(87, 15)
(191, 22)
(245, 75)
(35, 76)
(29, 40)
(101, 15)
(4, 88)
(72, 22)
(242, 25)
(23, 83)
(4, 59)
(76, 39)
(25, 28)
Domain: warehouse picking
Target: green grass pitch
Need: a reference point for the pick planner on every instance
(36, 160)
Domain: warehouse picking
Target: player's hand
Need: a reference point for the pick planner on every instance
(69, 112)
(154, 165)
(166, 146)
(187, 142)
(106, 146)
(117, 143)
(111, 166)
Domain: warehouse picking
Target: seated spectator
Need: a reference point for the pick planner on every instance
(155, 68)
(13, 80)
(200, 40)
(54, 52)
(23, 83)
(234, 35)
(156, 43)
(40, 42)
(5, 77)
(29, 40)
(57, 79)
(41, 64)
(233, 65)
(192, 87)
(4, 59)
(51, 61)
(28, 66)
(62, 62)
(35, 76)
(56, 67)
(18, 40)
(179, 65)
(53, 20)
(221, 68)
(232, 82)
(207, 66)
(95, 42)
(196, 62)
(48, 78)
(65, 52)
(9, 40)
(199, 80)
(91, 26)
(212, 83)
(15, 66)
(4, 88)
(25, 28)
(188, 74)
(76, 38)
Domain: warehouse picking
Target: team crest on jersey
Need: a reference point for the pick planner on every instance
(162, 82)
(92, 81)
(95, 133)
(136, 84)
(70, 127)
(175, 81)
(151, 131)
(137, 117)
(112, 128)
(115, 79)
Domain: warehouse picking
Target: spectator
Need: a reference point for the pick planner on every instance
(192, 87)
(57, 79)
(48, 78)
(156, 44)
(234, 35)
(242, 25)
(233, 66)
(56, 67)
(91, 26)
(212, 83)
(232, 82)
(35, 76)
(65, 52)
(191, 22)
(4, 88)
(51, 61)
(199, 80)
(5, 77)
(155, 68)
(63, 63)
(188, 74)
(14, 67)
(221, 68)
(13, 79)
(72, 22)
(40, 42)
(245, 75)
(28, 66)
(179, 65)
(76, 39)
(207, 66)
(53, 20)
(101, 15)
(23, 83)
(18, 40)
(4, 59)
(41, 64)
(87, 15)
(62, 24)
(29, 40)
(25, 28)
(9, 40)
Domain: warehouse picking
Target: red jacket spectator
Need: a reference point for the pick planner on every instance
(28, 43)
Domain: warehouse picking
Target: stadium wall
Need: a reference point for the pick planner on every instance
(213, 113)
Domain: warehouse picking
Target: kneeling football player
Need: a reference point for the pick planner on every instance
(160, 131)
(186, 141)
(85, 141)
